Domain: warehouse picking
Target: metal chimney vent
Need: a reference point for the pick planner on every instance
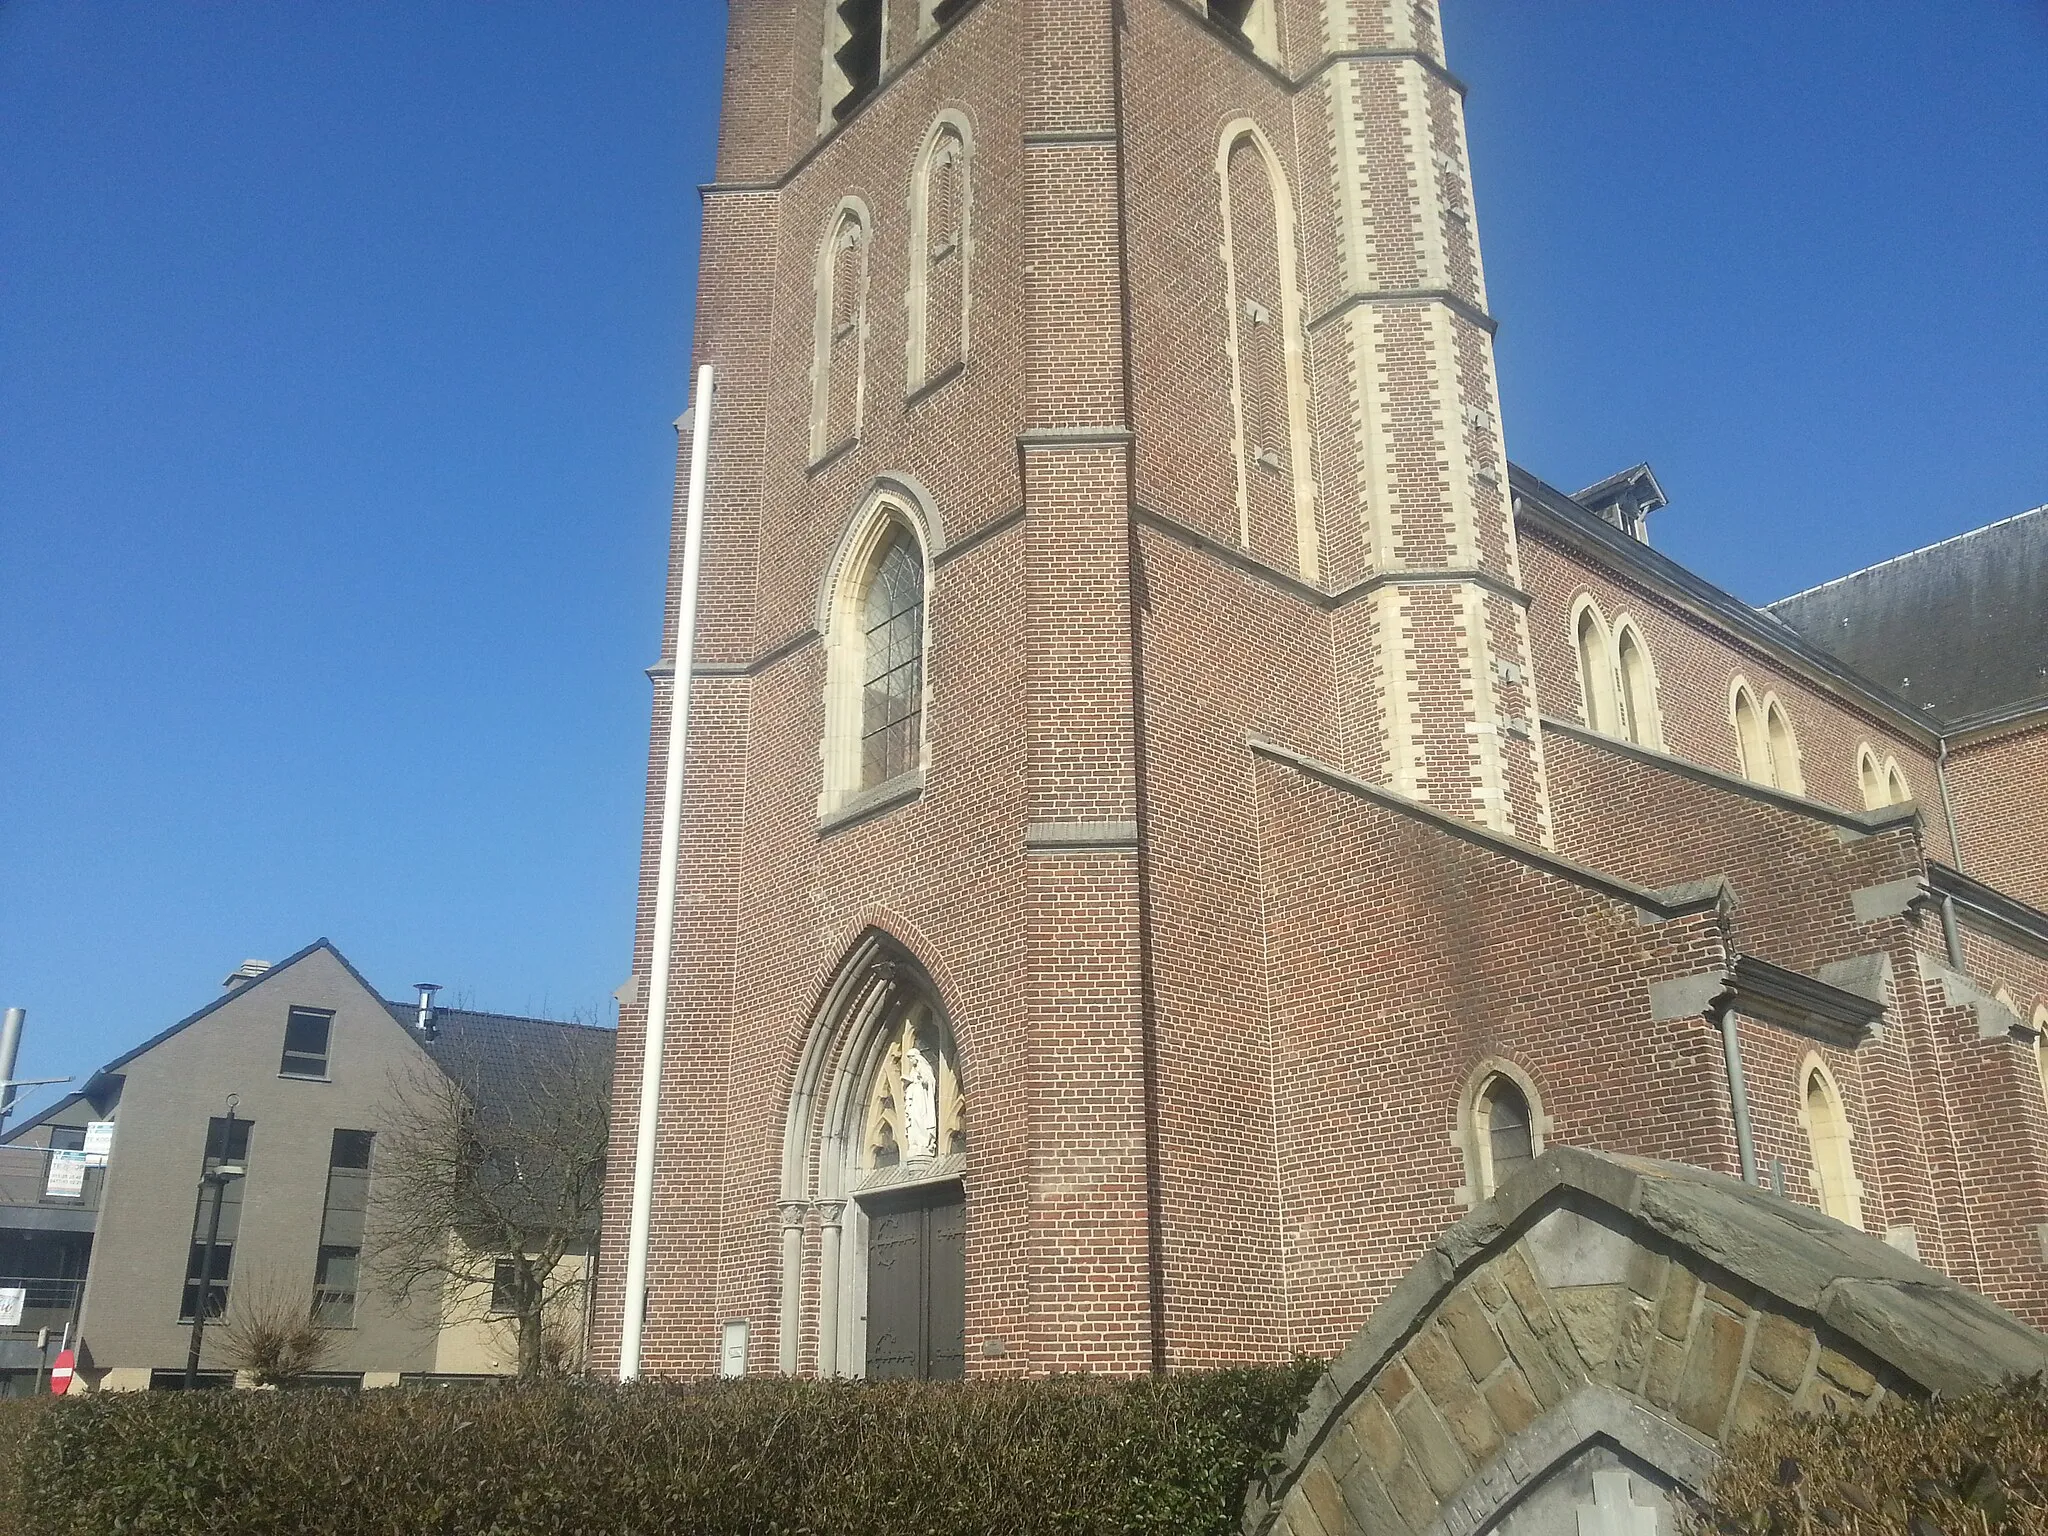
(244, 973)
(424, 1023)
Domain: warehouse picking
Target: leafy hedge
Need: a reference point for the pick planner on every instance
(17, 1418)
(1070, 1455)
(1965, 1466)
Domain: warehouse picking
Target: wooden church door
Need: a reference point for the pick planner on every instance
(917, 1284)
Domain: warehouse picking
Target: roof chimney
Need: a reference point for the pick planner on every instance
(425, 1022)
(244, 973)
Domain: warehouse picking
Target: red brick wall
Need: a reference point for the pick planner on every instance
(1399, 957)
(2000, 788)
(1224, 1066)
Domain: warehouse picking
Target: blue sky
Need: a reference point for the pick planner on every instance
(339, 346)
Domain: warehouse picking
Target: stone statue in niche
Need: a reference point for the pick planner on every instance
(920, 1103)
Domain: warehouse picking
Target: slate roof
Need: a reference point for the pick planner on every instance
(500, 1057)
(491, 1055)
(1959, 630)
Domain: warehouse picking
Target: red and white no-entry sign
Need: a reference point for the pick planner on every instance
(60, 1373)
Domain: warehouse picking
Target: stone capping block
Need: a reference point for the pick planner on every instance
(1753, 1251)
(1712, 895)
(1081, 837)
(1995, 1021)
(1865, 976)
(1687, 997)
(1895, 898)
(1853, 824)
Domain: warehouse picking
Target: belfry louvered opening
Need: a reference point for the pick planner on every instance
(1233, 14)
(859, 56)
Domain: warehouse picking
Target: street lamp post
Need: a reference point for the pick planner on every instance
(214, 1179)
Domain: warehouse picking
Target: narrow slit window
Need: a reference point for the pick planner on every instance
(1641, 718)
(1596, 673)
(1753, 748)
(939, 256)
(839, 369)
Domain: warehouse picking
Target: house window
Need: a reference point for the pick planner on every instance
(227, 1142)
(1882, 783)
(1752, 746)
(853, 61)
(216, 1290)
(2041, 1048)
(505, 1284)
(227, 1152)
(341, 1228)
(1500, 1128)
(1828, 1137)
(334, 1286)
(1641, 719)
(1509, 1135)
(306, 1031)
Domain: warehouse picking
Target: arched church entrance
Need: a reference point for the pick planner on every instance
(874, 1200)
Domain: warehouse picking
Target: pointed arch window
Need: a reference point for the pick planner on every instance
(1642, 720)
(1882, 783)
(838, 377)
(892, 663)
(1828, 1137)
(1276, 492)
(1752, 745)
(1596, 671)
(1784, 747)
(1502, 1127)
(940, 246)
(875, 660)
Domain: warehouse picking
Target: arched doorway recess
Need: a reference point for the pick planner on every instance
(874, 1159)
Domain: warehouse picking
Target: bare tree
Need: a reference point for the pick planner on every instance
(489, 1173)
(270, 1331)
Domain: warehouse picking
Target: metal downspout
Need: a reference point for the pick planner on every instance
(1738, 1092)
(640, 1226)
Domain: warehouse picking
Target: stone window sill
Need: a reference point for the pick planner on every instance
(830, 456)
(873, 802)
(935, 383)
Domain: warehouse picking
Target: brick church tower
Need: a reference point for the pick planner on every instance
(1121, 914)
(1100, 387)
